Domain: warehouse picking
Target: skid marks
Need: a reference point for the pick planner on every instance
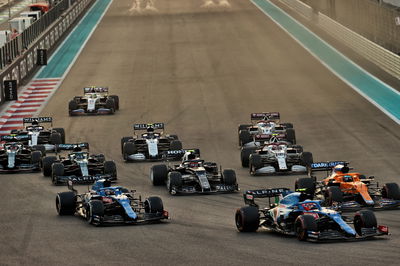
(216, 4)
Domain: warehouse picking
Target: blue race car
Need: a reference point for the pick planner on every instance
(104, 204)
(292, 213)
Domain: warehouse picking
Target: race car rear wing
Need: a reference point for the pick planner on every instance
(180, 153)
(72, 179)
(69, 147)
(31, 120)
(250, 195)
(324, 166)
(147, 126)
(95, 90)
(14, 138)
(265, 116)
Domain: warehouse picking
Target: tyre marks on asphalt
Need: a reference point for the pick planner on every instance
(30, 101)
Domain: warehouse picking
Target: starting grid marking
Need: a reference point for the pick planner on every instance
(30, 100)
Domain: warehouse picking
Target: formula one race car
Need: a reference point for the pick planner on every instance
(349, 191)
(34, 134)
(95, 101)
(276, 158)
(150, 145)
(104, 204)
(15, 157)
(295, 215)
(194, 175)
(79, 167)
(264, 127)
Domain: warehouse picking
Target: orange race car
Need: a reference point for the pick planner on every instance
(348, 190)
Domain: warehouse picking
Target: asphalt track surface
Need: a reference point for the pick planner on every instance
(202, 71)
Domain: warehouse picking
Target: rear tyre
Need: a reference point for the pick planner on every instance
(95, 208)
(364, 219)
(245, 154)
(110, 169)
(244, 137)
(298, 148)
(291, 135)
(174, 180)
(55, 138)
(229, 177)
(153, 205)
(255, 162)
(307, 158)
(333, 194)
(247, 219)
(46, 163)
(287, 125)
(40, 148)
(57, 169)
(36, 158)
(158, 174)
(175, 145)
(110, 104)
(72, 105)
(62, 133)
(66, 203)
(391, 191)
(123, 140)
(116, 101)
(305, 184)
(128, 149)
(303, 224)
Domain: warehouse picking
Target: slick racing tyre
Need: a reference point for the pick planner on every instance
(72, 105)
(255, 162)
(62, 133)
(243, 127)
(94, 208)
(391, 191)
(175, 145)
(244, 137)
(36, 158)
(291, 135)
(333, 194)
(229, 177)
(303, 224)
(110, 104)
(247, 219)
(40, 148)
(306, 185)
(153, 205)
(116, 101)
(245, 153)
(57, 169)
(123, 140)
(307, 158)
(364, 219)
(66, 203)
(287, 125)
(55, 138)
(158, 174)
(46, 163)
(174, 181)
(128, 149)
(110, 169)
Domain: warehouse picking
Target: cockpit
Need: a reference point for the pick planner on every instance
(79, 156)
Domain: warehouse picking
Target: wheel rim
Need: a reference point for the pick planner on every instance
(239, 221)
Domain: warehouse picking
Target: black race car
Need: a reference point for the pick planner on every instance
(194, 175)
(79, 166)
(104, 204)
(95, 101)
(292, 213)
(35, 134)
(150, 145)
(16, 157)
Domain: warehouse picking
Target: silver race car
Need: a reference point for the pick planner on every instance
(95, 101)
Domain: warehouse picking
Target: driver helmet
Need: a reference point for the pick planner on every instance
(340, 168)
(189, 156)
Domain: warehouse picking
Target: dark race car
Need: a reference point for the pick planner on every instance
(78, 166)
(15, 157)
(296, 215)
(265, 126)
(150, 145)
(105, 204)
(276, 158)
(95, 101)
(35, 134)
(194, 175)
(347, 190)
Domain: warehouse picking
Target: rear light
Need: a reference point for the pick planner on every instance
(166, 214)
(383, 229)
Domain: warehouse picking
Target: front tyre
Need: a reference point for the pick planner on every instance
(304, 224)
(66, 203)
(364, 219)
